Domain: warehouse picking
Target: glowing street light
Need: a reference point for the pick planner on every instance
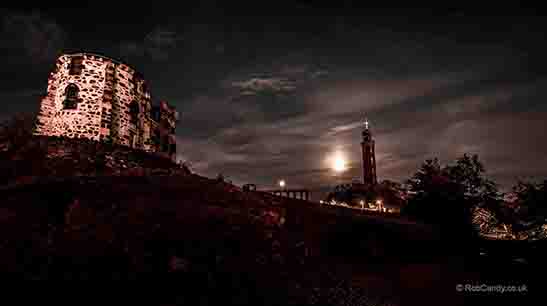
(282, 183)
(380, 206)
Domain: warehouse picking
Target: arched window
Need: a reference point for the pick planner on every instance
(133, 112)
(71, 97)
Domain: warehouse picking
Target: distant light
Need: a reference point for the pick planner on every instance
(379, 202)
(282, 183)
(321, 202)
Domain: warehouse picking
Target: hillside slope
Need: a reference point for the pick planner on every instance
(222, 243)
(41, 156)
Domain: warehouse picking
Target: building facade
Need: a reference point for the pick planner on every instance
(95, 97)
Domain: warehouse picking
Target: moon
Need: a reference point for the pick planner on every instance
(339, 163)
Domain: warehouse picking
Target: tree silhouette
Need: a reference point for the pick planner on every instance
(341, 193)
(391, 193)
(469, 173)
(531, 201)
(433, 193)
(445, 196)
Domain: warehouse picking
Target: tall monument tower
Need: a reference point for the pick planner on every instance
(369, 158)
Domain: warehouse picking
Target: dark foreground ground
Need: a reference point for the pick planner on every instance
(224, 246)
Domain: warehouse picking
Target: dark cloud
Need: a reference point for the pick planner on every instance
(23, 101)
(33, 34)
(158, 44)
(269, 97)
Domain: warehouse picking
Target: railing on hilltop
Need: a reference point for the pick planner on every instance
(301, 194)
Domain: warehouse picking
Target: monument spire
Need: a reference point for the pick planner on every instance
(369, 156)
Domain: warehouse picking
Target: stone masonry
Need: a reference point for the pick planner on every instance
(92, 96)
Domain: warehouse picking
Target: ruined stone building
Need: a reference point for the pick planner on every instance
(95, 97)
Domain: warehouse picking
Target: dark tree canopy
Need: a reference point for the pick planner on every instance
(446, 195)
(469, 173)
(531, 200)
(391, 193)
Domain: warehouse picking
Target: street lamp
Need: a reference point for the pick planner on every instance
(379, 205)
(282, 183)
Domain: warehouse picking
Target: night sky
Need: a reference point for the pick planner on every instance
(272, 92)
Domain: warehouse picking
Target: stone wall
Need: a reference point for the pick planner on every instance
(84, 120)
(106, 89)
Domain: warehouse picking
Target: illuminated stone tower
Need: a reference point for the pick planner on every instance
(369, 158)
(95, 97)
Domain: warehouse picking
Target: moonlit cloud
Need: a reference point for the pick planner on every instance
(346, 127)
(406, 134)
(256, 85)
